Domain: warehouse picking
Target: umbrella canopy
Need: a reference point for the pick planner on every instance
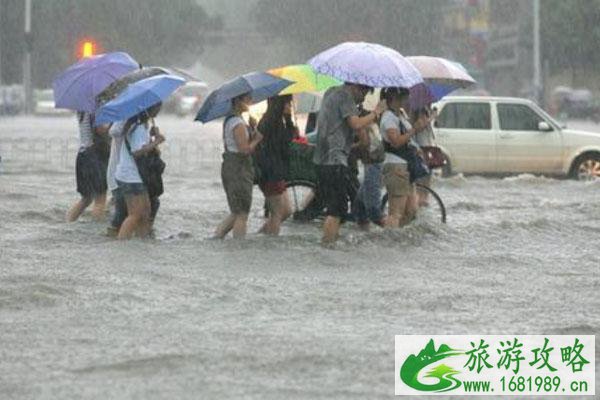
(421, 95)
(440, 70)
(441, 75)
(115, 88)
(305, 79)
(260, 86)
(138, 96)
(77, 87)
(366, 64)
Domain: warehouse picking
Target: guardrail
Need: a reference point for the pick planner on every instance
(181, 155)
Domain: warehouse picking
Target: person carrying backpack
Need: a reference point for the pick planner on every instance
(237, 171)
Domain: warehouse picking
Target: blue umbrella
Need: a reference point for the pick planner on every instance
(260, 86)
(138, 96)
(77, 87)
(440, 90)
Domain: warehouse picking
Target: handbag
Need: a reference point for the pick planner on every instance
(434, 157)
(150, 167)
(417, 167)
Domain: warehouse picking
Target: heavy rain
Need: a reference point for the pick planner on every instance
(339, 176)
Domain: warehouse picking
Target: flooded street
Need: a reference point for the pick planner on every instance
(85, 316)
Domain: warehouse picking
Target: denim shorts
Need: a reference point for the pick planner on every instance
(132, 189)
(121, 208)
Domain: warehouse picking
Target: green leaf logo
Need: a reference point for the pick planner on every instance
(409, 372)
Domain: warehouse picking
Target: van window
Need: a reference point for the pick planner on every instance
(465, 116)
(518, 117)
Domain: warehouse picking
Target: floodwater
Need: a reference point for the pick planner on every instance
(84, 316)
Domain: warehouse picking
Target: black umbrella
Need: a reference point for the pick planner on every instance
(115, 88)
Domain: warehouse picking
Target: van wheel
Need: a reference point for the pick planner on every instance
(586, 167)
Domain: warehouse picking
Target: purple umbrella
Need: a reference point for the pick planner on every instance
(367, 64)
(77, 87)
(421, 95)
(441, 71)
(441, 78)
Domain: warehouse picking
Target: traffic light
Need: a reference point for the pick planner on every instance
(87, 49)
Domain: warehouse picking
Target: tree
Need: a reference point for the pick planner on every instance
(570, 34)
(310, 26)
(154, 32)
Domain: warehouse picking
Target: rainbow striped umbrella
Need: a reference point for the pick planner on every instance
(305, 79)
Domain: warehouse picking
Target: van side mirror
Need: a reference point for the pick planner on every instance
(543, 126)
(436, 124)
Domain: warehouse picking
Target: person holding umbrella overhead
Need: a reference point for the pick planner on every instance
(441, 77)
(338, 121)
(239, 141)
(237, 173)
(76, 89)
(362, 66)
(139, 169)
(136, 142)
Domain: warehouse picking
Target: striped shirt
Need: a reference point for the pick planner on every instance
(86, 130)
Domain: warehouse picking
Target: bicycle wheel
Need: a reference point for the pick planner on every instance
(301, 193)
(435, 210)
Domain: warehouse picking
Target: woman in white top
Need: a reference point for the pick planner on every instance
(90, 170)
(397, 132)
(237, 172)
(136, 142)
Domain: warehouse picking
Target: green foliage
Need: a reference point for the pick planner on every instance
(570, 33)
(313, 25)
(570, 29)
(154, 32)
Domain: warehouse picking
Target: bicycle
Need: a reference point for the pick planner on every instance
(303, 188)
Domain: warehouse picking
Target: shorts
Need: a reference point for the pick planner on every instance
(396, 180)
(120, 208)
(273, 188)
(334, 181)
(426, 180)
(237, 176)
(132, 189)
(90, 173)
(120, 213)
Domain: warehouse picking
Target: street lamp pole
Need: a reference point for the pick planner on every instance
(27, 60)
(537, 64)
(1, 44)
